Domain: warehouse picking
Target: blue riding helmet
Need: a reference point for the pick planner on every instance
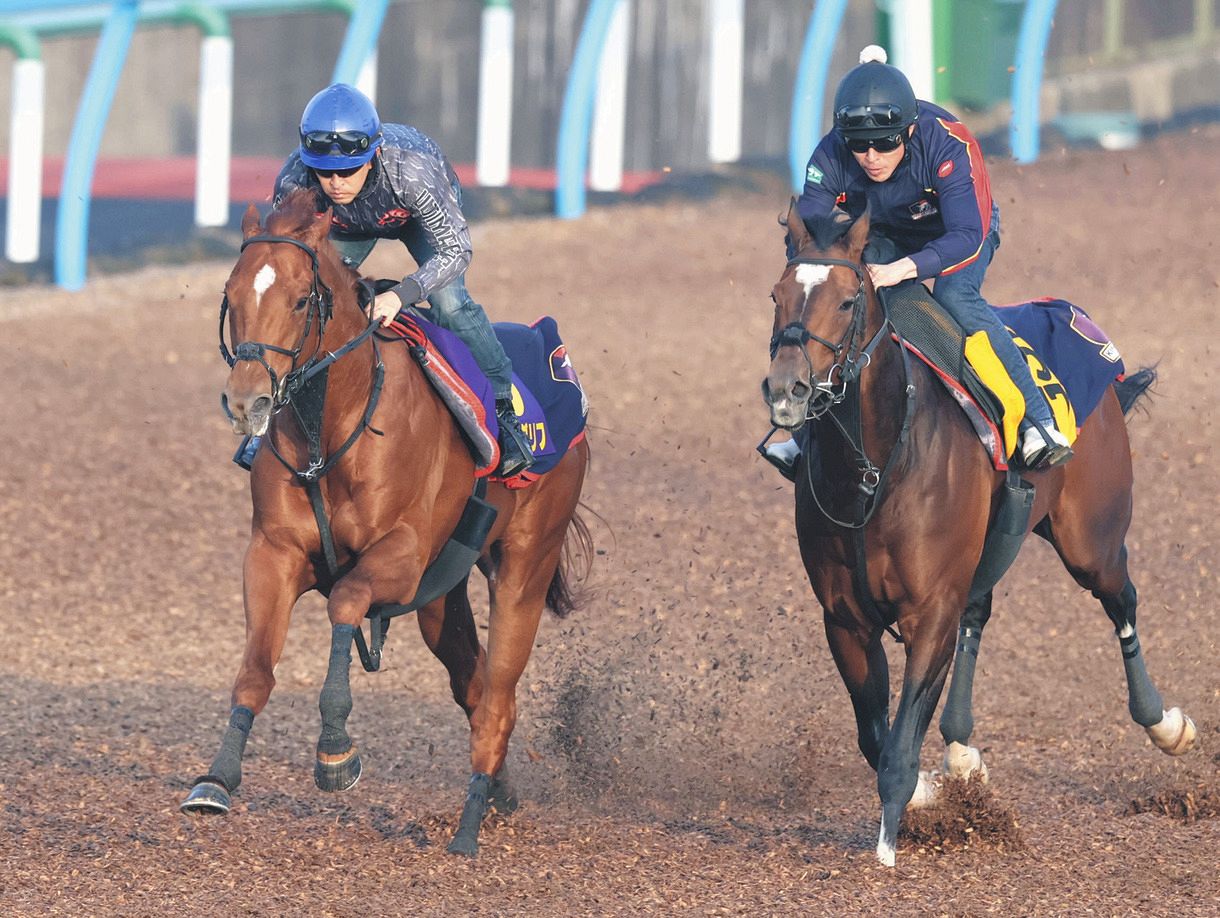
(339, 129)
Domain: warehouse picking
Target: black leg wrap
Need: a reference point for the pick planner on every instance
(466, 839)
(226, 767)
(957, 719)
(335, 699)
(1143, 700)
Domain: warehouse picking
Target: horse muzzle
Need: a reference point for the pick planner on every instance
(248, 415)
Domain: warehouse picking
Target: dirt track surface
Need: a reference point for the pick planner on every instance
(685, 745)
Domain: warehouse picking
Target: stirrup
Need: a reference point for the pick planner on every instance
(515, 453)
(1053, 451)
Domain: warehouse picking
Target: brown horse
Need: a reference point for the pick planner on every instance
(357, 489)
(894, 499)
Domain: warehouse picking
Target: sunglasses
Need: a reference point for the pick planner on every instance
(880, 144)
(852, 117)
(349, 143)
(342, 173)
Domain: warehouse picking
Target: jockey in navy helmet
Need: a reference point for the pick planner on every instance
(920, 173)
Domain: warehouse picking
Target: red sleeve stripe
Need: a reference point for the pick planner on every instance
(978, 177)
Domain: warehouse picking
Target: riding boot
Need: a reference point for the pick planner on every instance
(515, 454)
(244, 456)
(1044, 447)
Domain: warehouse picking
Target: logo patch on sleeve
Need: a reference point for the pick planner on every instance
(945, 169)
(814, 174)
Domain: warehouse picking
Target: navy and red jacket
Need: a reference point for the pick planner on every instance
(936, 206)
(411, 182)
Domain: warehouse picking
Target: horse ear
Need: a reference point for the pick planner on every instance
(250, 225)
(857, 236)
(798, 234)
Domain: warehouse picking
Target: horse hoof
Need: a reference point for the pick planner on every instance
(1175, 734)
(927, 791)
(465, 844)
(206, 797)
(962, 761)
(337, 772)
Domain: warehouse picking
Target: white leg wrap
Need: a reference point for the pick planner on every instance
(885, 852)
(962, 761)
(1175, 734)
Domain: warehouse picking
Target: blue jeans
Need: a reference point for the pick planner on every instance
(452, 308)
(959, 294)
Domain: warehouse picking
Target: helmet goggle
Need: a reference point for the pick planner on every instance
(350, 143)
(880, 144)
(859, 117)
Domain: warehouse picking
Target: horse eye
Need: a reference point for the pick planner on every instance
(846, 305)
(302, 303)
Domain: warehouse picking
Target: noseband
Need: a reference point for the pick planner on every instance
(320, 302)
(850, 357)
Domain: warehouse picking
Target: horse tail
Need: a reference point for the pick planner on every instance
(577, 551)
(1133, 385)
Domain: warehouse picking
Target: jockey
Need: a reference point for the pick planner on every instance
(389, 181)
(920, 174)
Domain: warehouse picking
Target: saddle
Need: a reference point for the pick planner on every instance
(1071, 360)
(547, 395)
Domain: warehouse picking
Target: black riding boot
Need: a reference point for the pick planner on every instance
(515, 454)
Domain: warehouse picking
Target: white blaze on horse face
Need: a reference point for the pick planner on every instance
(809, 276)
(262, 283)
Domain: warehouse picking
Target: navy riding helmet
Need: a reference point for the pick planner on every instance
(874, 100)
(339, 129)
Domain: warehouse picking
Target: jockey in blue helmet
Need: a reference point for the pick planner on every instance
(920, 174)
(390, 181)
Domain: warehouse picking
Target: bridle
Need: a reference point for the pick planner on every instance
(319, 305)
(850, 357)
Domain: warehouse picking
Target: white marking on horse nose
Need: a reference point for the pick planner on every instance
(809, 276)
(262, 283)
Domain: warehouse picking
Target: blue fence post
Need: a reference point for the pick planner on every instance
(576, 118)
(72, 220)
(360, 40)
(1023, 136)
(810, 89)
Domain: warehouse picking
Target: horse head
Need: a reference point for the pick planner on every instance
(820, 310)
(278, 306)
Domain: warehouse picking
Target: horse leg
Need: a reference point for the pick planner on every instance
(448, 629)
(517, 591)
(865, 671)
(929, 651)
(957, 719)
(337, 765)
(1087, 529)
(270, 590)
(1172, 731)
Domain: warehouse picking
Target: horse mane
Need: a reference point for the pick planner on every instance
(294, 216)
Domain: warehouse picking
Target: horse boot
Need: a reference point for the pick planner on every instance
(515, 453)
(244, 457)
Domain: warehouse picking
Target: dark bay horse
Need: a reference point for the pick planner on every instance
(392, 476)
(893, 502)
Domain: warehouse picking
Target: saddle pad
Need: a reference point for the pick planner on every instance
(547, 395)
(1071, 360)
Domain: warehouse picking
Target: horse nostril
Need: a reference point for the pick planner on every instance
(801, 390)
(261, 406)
